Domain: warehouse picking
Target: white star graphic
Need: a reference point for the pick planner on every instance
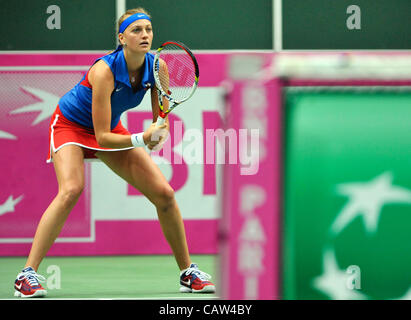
(406, 296)
(6, 135)
(367, 199)
(46, 106)
(334, 281)
(9, 204)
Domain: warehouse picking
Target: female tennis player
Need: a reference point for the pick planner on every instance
(86, 124)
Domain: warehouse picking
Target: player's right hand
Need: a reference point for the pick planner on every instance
(155, 136)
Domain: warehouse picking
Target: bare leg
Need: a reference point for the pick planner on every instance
(137, 168)
(69, 167)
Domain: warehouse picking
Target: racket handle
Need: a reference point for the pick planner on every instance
(160, 121)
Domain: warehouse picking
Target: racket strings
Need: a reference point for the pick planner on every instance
(177, 78)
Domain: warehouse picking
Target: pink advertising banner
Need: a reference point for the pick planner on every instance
(249, 230)
(30, 87)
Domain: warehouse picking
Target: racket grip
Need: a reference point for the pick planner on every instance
(160, 121)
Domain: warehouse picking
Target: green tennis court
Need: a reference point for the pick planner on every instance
(108, 277)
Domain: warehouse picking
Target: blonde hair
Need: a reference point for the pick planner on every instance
(129, 13)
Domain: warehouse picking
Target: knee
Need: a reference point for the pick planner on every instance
(70, 193)
(165, 198)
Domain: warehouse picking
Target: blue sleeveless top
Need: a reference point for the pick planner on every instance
(75, 105)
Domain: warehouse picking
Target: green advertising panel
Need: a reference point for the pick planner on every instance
(346, 24)
(347, 189)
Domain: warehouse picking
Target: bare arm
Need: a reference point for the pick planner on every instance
(154, 94)
(102, 80)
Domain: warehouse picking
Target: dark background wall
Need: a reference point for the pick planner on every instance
(209, 24)
(321, 24)
(85, 25)
(91, 24)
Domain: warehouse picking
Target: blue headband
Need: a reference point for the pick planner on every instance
(131, 19)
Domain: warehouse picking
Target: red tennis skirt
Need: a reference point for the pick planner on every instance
(64, 132)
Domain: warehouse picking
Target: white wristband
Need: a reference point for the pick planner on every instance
(137, 139)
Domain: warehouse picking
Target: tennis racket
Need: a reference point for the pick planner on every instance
(176, 75)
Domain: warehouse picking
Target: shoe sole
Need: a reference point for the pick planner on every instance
(206, 289)
(37, 294)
